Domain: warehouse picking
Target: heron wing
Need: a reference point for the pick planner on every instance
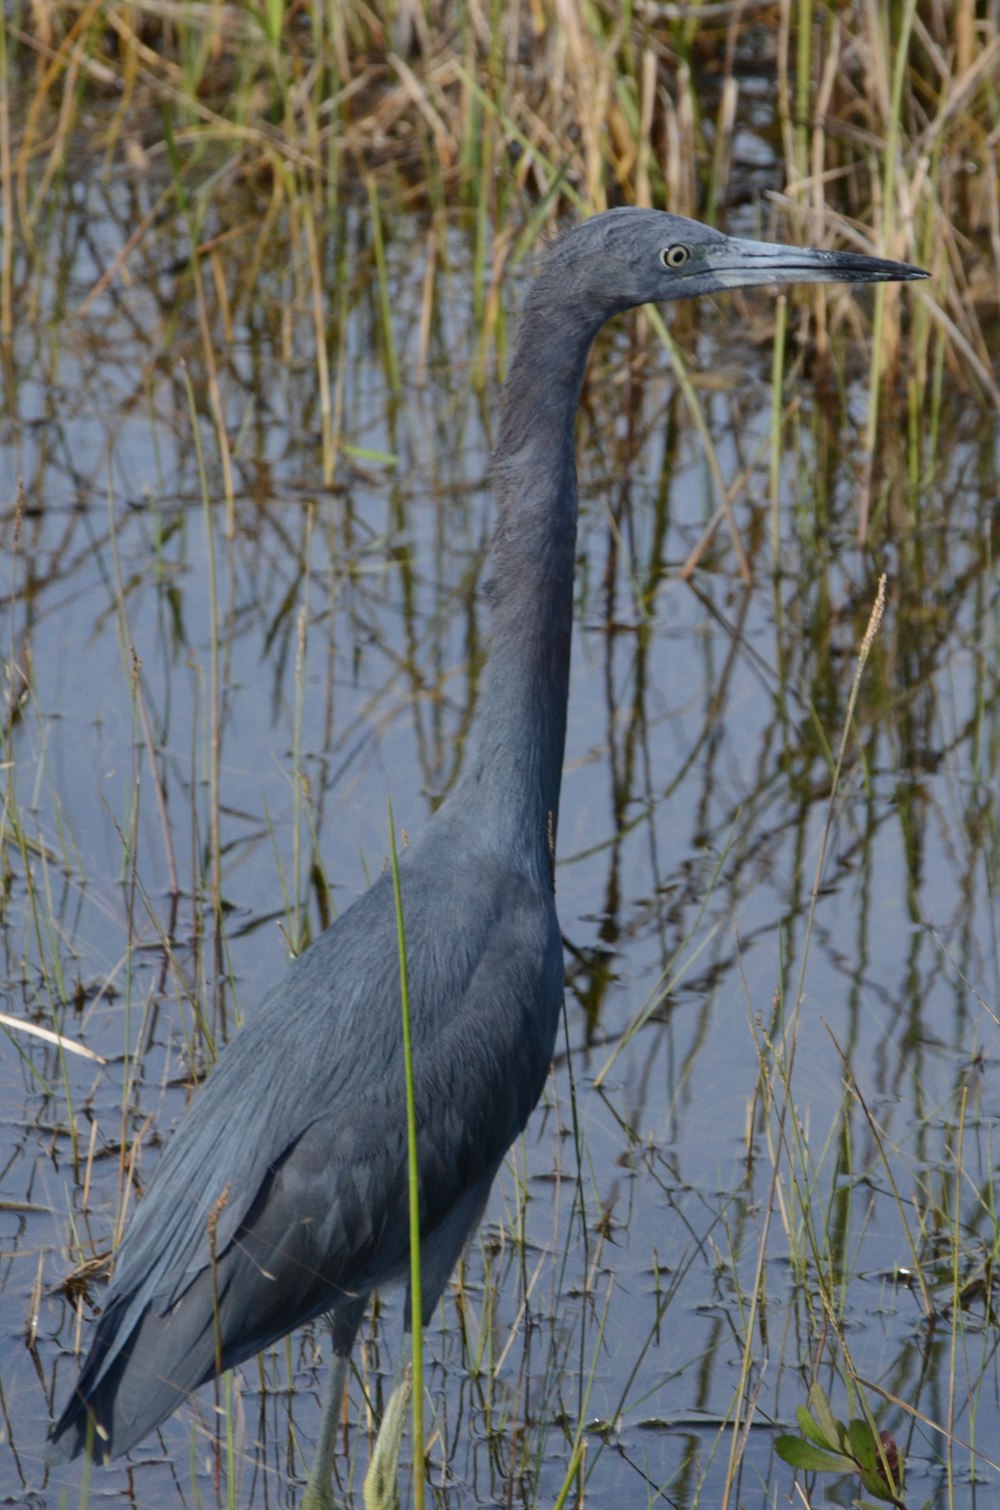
(283, 1192)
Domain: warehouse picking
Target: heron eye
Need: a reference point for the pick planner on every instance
(674, 256)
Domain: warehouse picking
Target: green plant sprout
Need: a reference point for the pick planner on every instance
(828, 1445)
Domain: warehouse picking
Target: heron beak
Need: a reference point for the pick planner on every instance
(748, 264)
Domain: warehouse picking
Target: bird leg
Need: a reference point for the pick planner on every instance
(381, 1488)
(319, 1488)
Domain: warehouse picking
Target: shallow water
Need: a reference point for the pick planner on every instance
(337, 633)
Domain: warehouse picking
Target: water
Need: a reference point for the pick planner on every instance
(339, 632)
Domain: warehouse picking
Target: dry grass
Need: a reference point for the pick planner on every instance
(834, 125)
(881, 127)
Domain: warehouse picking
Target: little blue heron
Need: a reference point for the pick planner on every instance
(283, 1193)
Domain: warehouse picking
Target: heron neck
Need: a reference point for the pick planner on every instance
(514, 773)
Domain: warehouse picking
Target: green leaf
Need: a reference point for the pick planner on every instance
(875, 1484)
(873, 1459)
(365, 453)
(823, 1415)
(811, 1459)
(862, 1440)
(809, 1429)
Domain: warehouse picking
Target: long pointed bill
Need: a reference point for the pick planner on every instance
(747, 264)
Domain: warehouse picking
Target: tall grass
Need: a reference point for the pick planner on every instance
(880, 124)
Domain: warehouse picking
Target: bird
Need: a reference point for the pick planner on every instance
(283, 1193)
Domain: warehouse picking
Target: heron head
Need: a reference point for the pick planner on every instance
(631, 256)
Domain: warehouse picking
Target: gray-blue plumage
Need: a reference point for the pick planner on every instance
(291, 1162)
(283, 1193)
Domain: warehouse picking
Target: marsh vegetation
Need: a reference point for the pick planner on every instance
(259, 269)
